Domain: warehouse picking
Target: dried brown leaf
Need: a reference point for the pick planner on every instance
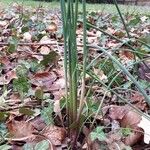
(55, 134)
(44, 79)
(20, 130)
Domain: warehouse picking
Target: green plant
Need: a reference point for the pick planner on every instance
(98, 133)
(70, 15)
(21, 85)
(72, 67)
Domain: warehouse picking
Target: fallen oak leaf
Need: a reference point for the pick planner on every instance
(127, 118)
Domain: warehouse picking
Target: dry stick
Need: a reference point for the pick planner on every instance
(31, 44)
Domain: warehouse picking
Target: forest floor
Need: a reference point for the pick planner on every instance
(32, 85)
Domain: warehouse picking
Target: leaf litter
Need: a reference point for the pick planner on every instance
(32, 84)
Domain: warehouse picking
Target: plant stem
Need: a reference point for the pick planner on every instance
(85, 52)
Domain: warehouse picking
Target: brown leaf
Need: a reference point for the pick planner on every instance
(127, 118)
(138, 100)
(52, 27)
(117, 112)
(8, 77)
(55, 134)
(4, 60)
(44, 50)
(144, 72)
(126, 54)
(134, 137)
(20, 130)
(38, 123)
(44, 79)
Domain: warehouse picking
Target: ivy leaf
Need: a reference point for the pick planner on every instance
(5, 147)
(25, 29)
(21, 70)
(134, 21)
(46, 114)
(39, 93)
(3, 116)
(126, 131)
(51, 58)
(13, 43)
(28, 147)
(42, 145)
(26, 111)
(98, 134)
(21, 85)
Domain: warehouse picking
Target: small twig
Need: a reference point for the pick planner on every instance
(31, 44)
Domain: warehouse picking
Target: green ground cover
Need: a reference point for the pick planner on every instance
(90, 7)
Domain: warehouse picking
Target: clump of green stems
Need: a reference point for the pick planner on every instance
(74, 102)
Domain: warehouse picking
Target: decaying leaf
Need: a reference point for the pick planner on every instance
(55, 134)
(52, 27)
(144, 71)
(44, 50)
(127, 118)
(45, 39)
(8, 77)
(27, 36)
(51, 58)
(138, 100)
(21, 130)
(100, 74)
(44, 79)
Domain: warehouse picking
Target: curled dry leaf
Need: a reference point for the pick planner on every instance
(127, 118)
(52, 27)
(55, 134)
(126, 54)
(5, 60)
(44, 50)
(27, 36)
(45, 40)
(100, 74)
(139, 101)
(8, 77)
(3, 23)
